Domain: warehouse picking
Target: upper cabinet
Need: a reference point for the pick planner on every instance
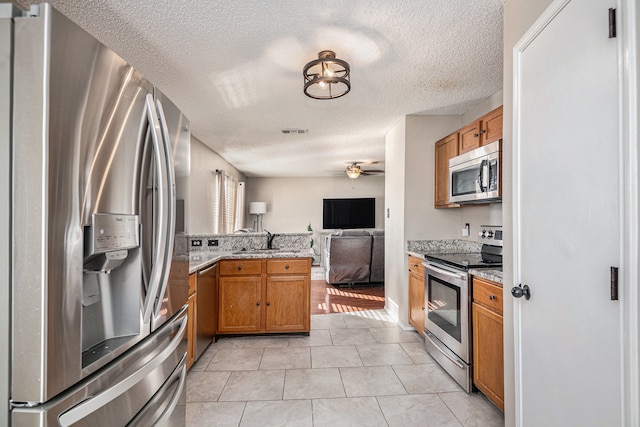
(486, 129)
(446, 149)
(469, 137)
(491, 126)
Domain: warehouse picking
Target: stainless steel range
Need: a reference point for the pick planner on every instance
(448, 303)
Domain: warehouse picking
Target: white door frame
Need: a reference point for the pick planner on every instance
(628, 16)
(629, 24)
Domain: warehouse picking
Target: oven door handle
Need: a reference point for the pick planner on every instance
(445, 272)
(444, 351)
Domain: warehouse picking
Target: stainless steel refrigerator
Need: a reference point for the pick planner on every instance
(94, 305)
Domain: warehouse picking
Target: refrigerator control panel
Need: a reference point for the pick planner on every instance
(111, 232)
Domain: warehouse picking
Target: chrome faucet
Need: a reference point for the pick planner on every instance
(270, 239)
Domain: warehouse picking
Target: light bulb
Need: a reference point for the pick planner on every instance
(322, 85)
(327, 71)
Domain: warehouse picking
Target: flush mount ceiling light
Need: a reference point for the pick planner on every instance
(326, 77)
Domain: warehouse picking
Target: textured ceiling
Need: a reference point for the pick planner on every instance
(235, 69)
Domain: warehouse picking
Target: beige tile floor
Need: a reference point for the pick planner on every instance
(355, 369)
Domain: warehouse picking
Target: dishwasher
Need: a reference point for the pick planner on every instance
(206, 307)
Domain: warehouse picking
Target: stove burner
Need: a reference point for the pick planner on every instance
(489, 257)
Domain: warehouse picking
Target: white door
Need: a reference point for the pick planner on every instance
(566, 218)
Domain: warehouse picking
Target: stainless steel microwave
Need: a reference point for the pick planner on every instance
(474, 177)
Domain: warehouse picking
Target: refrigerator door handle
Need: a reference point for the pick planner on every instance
(158, 267)
(170, 206)
(92, 404)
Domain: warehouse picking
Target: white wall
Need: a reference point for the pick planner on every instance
(519, 15)
(422, 221)
(396, 297)
(199, 195)
(294, 203)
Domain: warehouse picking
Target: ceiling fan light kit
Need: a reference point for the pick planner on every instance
(353, 171)
(326, 77)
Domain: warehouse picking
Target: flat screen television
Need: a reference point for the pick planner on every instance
(349, 213)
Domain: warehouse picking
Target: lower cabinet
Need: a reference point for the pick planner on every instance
(416, 294)
(287, 304)
(269, 295)
(488, 346)
(191, 321)
(239, 304)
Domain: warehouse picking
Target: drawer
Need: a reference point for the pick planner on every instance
(192, 283)
(415, 265)
(288, 266)
(240, 267)
(488, 294)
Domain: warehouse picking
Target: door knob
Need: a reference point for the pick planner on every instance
(521, 291)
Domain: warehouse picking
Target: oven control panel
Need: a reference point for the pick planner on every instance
(490, 235)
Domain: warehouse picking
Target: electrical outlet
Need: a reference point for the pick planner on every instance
(465, 230)
(196, 242)
(212, 242)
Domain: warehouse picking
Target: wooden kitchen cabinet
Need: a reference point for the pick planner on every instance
(239, 308)
(491, 126)
(287, 304)
(469, 137)
(488, 346)
(416, 294)
(486, 129)
(275, 297)
(445, 149)
(191, 321)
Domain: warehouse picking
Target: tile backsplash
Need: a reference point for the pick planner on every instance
(443, 246)
(248, 241)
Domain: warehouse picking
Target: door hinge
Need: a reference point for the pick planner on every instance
(614, 283)
(612, 23)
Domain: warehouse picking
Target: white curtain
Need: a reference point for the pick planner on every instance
(219, 203)
(239, 221)
(228, 204)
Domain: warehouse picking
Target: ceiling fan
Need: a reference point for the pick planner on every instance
(354, 170)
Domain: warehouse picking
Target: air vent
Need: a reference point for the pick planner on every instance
(294, 131)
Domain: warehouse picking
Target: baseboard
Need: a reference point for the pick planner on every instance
(317, 273)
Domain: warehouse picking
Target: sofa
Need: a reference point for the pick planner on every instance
(354, 257)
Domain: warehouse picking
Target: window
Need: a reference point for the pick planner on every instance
(228, 204)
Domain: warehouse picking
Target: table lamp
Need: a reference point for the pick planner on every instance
(258, 209)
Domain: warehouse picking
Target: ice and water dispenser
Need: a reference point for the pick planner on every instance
(111, 294)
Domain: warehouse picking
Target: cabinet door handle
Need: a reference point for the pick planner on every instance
(483, 131)
(268, 304)
(422, 308)
(258, 304)
(492, 297)
(475, 135)
(239, 267)
(286, 267)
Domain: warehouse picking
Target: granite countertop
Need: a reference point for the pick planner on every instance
(493, 274)
(203, 259)
(416, 254)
